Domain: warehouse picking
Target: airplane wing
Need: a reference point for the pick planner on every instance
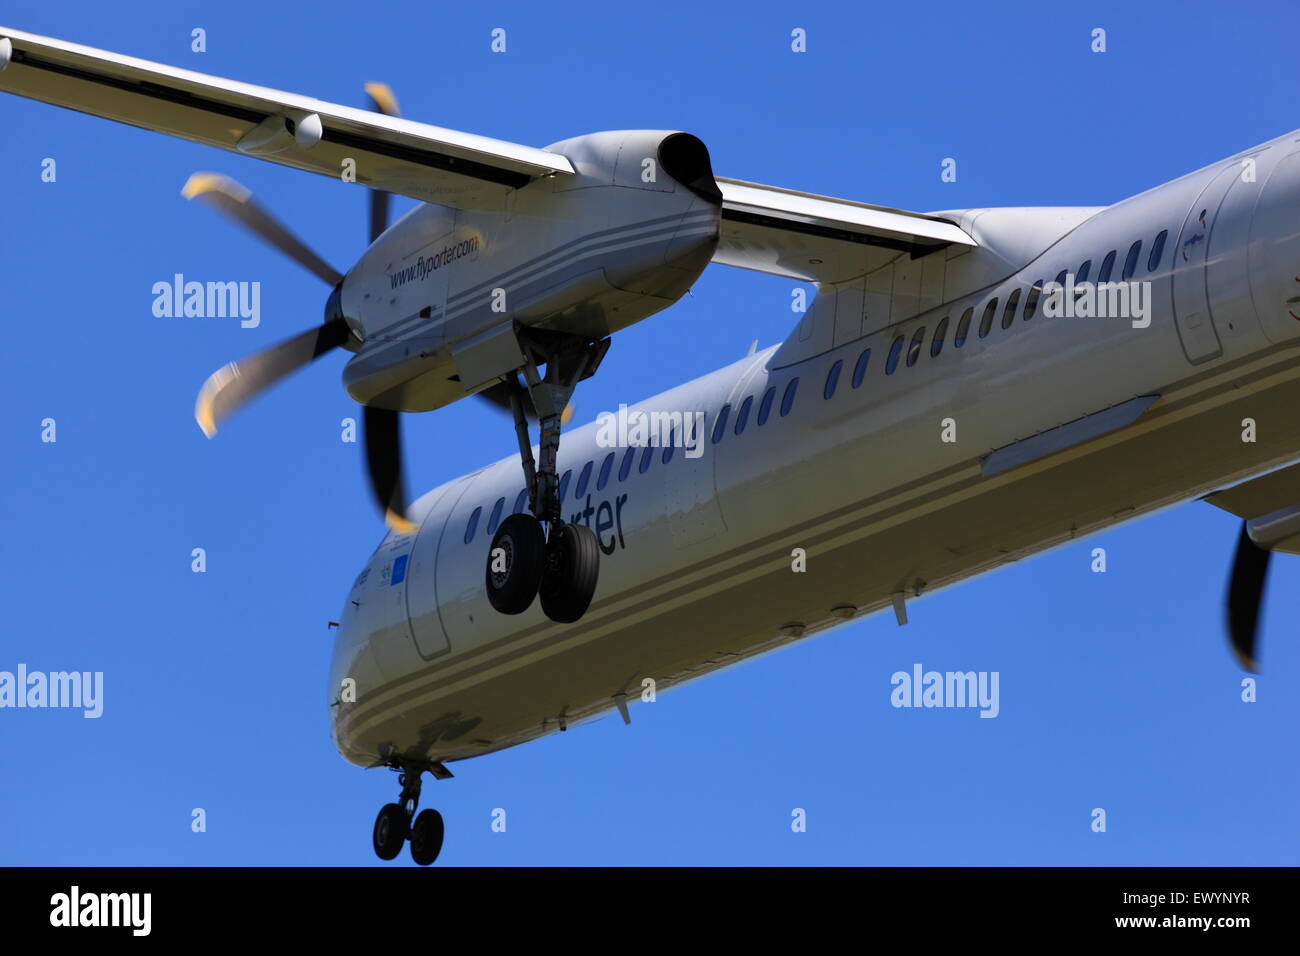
(778, 231)
(423, 162)
(818, 238)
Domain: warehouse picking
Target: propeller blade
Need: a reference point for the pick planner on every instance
(232, 385)
(236, 201)
(384, 464)
(383, 101)
(1245, 593)
(499, 395)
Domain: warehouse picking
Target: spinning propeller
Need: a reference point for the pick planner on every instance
(232, 385)
(1270, 508)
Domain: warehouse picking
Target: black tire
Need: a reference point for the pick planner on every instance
(572, 569)
(426, 837)
(512, 590)
(390, 831)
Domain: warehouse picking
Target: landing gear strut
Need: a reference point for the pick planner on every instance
(398, 823)
(538, 553)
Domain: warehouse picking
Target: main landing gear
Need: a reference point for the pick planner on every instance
(397, 823)
(538, 555)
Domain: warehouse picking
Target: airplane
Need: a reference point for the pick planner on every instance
(966, 388)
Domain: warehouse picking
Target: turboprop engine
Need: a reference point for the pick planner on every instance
(441, 299)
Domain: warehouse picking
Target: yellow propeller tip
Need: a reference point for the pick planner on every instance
(206, 422)
(567, 415)
(383, 96)
(399, 523)
(198, 183)
(201, 184)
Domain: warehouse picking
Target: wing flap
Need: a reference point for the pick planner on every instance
(819, 238)
(425, 162)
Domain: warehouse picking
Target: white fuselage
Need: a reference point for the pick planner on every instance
(886, 484)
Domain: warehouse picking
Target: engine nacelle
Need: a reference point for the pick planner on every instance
(437, 300)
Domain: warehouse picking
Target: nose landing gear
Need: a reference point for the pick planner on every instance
(390, 831)
(426, 837)
(394, 827)
(538, 554)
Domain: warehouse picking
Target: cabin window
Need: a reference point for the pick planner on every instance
(495, 518)
(1009, 313)
(1031, 300)
(1157, 250)
(583, 478)
(914, 347)
(963, 328)
(645, 459)
(787, 400)
(832, 379)
(606, 467)
(986, 320)
(1060, 295)
(1131, 260)
(1107, 265)
(625, 469)
(564, 482)
(521, 503)
(860, 370)
(720, 426)
(765, 406)
(742, 416)
(895, 350)
(1082, 274)
(668, 449)
(936, 343)
(472, 525)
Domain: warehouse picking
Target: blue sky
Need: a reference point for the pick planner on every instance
(1117, 689)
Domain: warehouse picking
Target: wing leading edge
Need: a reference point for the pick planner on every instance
(423, 162)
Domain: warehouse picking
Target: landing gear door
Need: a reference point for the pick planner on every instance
(1191, 300)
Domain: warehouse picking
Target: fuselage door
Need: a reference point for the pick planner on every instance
(1191, 301)
(420, 592)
